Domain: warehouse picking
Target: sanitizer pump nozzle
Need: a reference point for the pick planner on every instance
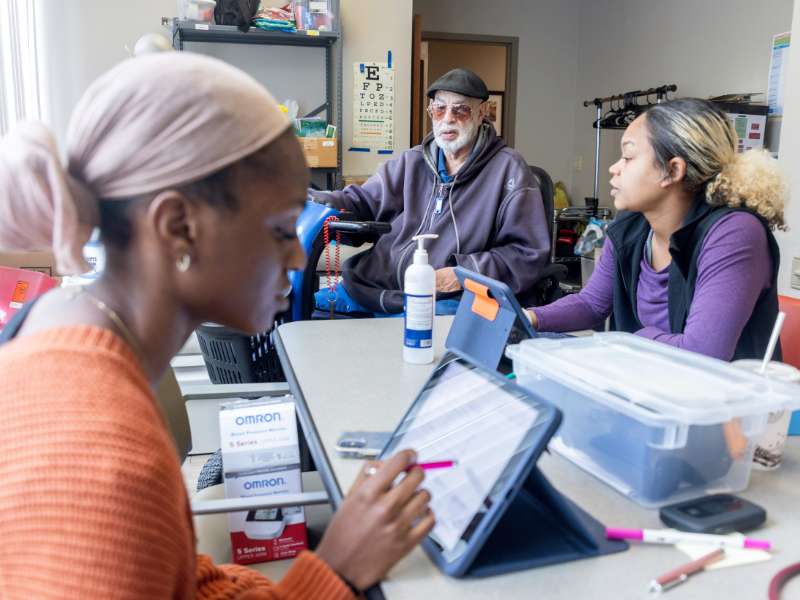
(421, 254)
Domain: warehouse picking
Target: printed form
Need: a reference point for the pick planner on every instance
(468, 418)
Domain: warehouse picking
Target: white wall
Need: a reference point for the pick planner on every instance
(790, 159)
(371, 28)
(706, 47)
(487, 60)
(547, 71)
(84, 38)
(81, 39)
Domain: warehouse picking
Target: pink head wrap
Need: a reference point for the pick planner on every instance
(152, 122)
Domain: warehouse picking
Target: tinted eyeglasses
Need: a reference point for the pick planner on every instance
(438, 110)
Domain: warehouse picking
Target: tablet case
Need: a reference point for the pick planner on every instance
(539, 526)
(488, 318)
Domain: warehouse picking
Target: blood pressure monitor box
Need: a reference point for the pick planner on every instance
(260, 457)
(266, 534)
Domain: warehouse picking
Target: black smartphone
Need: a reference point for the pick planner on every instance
(719, 513)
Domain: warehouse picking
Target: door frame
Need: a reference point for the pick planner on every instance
(512, 59)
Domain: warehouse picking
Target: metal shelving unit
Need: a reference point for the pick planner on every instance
(330, 41)
(572, 214)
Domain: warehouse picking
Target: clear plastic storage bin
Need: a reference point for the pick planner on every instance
(657, 423)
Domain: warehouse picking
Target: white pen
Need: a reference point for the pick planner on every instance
(670, 536)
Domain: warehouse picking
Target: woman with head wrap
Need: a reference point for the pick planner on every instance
(195, 180)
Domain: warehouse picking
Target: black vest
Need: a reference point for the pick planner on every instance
(629, 233)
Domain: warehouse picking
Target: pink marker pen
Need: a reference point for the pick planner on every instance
(439, 464)
(672, 536)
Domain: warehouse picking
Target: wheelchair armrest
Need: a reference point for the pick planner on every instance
(555, 270)
(359, 232)
(546, 289)
(371, 227)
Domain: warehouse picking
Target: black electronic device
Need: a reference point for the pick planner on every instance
(719, 513)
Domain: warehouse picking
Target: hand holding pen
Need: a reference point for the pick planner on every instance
(379, 521)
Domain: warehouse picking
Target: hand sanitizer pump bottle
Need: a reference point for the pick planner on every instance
(420, 299)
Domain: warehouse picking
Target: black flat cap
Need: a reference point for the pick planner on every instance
(460, 81)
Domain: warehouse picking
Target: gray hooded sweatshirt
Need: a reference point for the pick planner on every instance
(490, 219)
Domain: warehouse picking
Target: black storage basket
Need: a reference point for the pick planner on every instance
(235, 357)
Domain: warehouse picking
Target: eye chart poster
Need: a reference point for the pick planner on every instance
(373, 106)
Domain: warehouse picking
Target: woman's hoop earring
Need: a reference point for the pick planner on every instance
(183, 263)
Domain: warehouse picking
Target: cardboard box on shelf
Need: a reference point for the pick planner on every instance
(319, 151)
(355, 179)
(43, 262)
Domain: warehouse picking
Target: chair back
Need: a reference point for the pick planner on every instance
(173, 409)
(548, 195)
(790, 345)
(790, 334)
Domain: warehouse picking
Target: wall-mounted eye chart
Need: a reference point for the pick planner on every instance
(373, 107)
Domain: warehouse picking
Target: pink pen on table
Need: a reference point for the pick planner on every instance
(671, 536)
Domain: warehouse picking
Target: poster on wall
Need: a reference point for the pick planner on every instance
(495, 113)
(778, 71)
(373, 107)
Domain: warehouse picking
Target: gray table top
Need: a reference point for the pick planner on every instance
(350, 375)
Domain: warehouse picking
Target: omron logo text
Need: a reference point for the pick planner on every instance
(264, 483)
(258, 419)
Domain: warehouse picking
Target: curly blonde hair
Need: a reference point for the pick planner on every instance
(751, 179)
(700, 133)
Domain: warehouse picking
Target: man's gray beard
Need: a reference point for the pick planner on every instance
(467, 138)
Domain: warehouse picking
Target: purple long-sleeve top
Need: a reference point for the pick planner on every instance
(734, 267)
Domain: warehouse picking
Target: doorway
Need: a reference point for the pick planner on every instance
(493, 58)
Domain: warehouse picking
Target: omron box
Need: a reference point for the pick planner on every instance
(260, 457)
(266, 534)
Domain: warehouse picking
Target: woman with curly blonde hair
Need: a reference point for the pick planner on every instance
(690, 259)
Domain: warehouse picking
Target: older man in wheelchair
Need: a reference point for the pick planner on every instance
(491, 211)
(462, 183)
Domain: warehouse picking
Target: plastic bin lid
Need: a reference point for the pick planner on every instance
(653, 381)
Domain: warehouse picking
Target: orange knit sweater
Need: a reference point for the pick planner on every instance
(92, 503)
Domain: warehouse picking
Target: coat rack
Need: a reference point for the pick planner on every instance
(629, 107)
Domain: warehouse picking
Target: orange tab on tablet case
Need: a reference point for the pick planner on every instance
(483, 305)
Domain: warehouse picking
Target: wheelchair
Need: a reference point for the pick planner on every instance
(232, 357)
(310, 226)
(235, 357)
